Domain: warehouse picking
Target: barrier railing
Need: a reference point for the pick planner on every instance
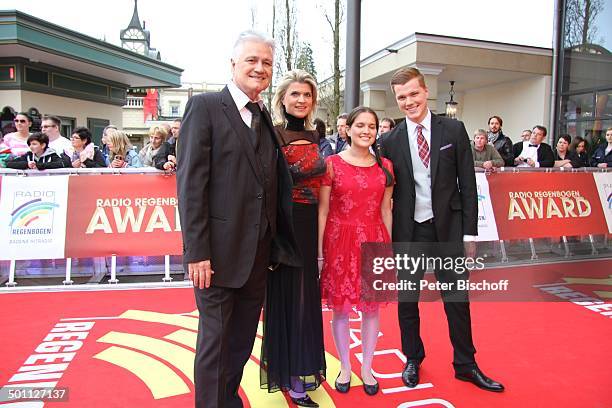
(525, 215)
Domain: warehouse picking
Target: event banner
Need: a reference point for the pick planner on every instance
(129, 214)
(33, 217)
(603, 181)
(538, 205)
(487, 228)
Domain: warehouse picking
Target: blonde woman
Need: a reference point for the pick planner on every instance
(120, 150)
(293, 357)
(157, 137)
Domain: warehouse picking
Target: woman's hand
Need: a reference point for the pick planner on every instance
(117, 163)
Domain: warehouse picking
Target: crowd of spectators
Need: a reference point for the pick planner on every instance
(49, 149)
(491, 148)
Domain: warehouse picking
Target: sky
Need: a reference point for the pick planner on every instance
(198, 35)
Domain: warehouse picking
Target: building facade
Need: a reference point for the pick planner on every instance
(48, 69)
(584, 69)
(490, 78)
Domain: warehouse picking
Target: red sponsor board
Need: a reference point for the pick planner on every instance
(122, 215)
(537, 205)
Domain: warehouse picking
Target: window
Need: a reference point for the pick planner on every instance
(585, 71)
(68, 125)
(174, 108)
(96, 127)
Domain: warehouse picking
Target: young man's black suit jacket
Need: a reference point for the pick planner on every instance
(453, 181)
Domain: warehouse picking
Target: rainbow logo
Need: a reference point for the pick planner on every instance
(31, 211)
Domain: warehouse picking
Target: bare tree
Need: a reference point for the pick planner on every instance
(331, 96)
(580, 29)
(285, 35)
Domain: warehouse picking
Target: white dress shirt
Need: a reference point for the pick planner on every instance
(529, 152)
(422, 175)
(423, 209)
(240, 99)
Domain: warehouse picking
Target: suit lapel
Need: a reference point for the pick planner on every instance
(437, 129)
(233, 115)
(405, 146)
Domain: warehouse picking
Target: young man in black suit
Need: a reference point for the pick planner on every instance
(234, 192)
(434, 201)
(534, 152)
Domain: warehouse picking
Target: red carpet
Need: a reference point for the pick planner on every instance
(139, 352)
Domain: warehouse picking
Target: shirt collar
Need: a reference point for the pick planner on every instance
(426, 123)
(239, 97)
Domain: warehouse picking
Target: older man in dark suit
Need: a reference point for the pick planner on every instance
(434, 201)
(234, 192)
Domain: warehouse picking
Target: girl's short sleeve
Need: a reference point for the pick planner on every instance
(389, 166)
(328, 177)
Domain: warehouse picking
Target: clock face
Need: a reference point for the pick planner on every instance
(133, 34)
(134, 46)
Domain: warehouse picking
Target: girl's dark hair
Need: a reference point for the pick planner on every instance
(40, 137)
(83, 133)
(577, 140)
(320, 127)
(350, 120)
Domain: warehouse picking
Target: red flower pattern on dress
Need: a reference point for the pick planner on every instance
(354, 218)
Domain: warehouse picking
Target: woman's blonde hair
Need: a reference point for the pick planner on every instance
(302, 77)
(158, 130)
(121, 143)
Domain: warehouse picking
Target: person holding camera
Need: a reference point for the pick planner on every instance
(121, 153)
(534, 153)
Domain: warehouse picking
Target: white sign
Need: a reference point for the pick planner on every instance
(603, 181)
(33, 217)
(487, 228)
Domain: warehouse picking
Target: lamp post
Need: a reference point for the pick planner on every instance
(451, 106)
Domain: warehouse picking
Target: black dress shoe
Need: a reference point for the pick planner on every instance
(477, 377)
(410, 375)
(370, 389)
(304, 402)
(342, 387)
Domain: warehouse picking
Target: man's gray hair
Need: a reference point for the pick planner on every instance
(480, 132)
(254, 36)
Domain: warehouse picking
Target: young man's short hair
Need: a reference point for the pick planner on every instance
(57, 121)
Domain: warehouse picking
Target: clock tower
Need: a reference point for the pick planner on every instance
(135, 38)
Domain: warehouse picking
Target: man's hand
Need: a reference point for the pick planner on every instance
(531, 162)
(32, 165)
(200, 273)
(488, 164)
(169, 165)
